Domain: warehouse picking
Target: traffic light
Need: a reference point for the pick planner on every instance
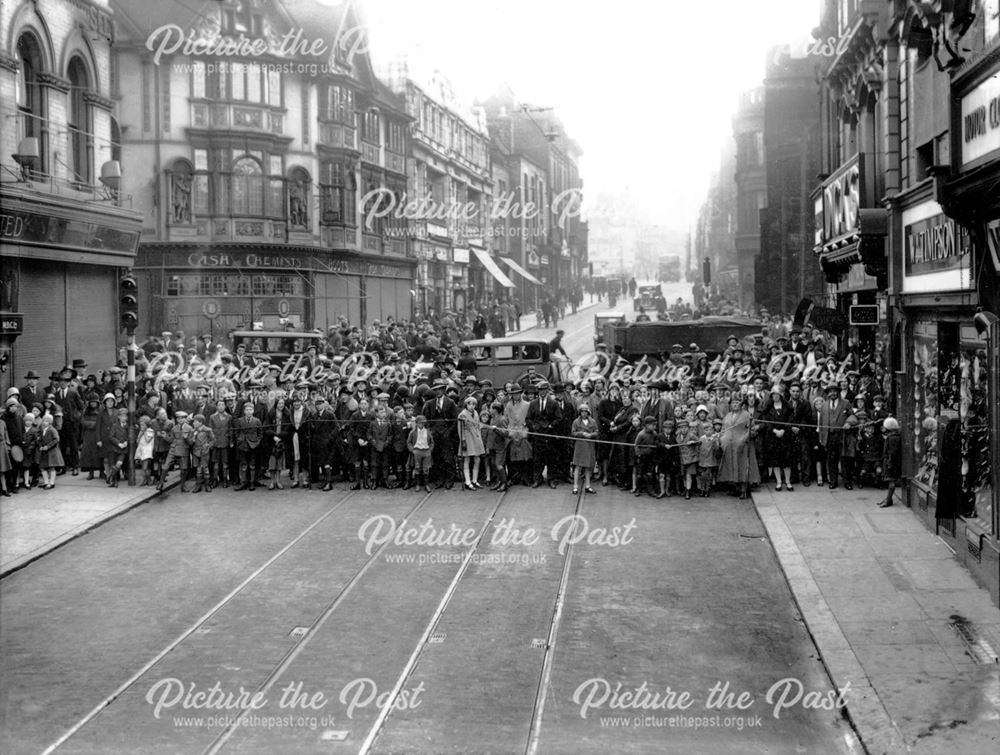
(706, 271)
(128, 302)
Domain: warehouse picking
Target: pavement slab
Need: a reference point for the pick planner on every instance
(882, 608)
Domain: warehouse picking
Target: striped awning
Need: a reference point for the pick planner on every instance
(521, 271)
(486, 259)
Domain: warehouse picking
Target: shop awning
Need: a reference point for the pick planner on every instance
(521, 271)
(487, 261)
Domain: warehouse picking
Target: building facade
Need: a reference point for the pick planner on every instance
(449, 173)
(751, 191)
(67, 230)
(785, 271)
(270, 181)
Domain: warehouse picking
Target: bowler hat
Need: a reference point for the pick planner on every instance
(79, 365)
(32, 375)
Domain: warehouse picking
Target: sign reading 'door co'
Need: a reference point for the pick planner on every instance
(980, 126)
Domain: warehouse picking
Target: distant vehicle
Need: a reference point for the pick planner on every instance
(670, 269)
(603, 318)
(645, 297)
(651, 339)
(275, 346)
(503, 360)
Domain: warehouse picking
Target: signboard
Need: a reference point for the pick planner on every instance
(210, 309)
(254, 261)
(863, 314)
(980, 121)
(24, 227)
(840, 197)
(461, 255)
(937, 251)
(11, 324)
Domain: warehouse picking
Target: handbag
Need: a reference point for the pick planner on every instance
(17, 454)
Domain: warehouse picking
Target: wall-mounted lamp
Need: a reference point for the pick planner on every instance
(26, 156)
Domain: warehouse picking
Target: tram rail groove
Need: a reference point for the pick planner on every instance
(135, 677)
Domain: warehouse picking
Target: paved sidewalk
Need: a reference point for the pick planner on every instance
(36, 521)
(894, 614)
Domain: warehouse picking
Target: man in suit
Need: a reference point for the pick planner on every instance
(31, 393)
(804, 435)
(248, 432)
(833, 415)
(442, 417)
(72, 407)
(543, 417)
(562, 447)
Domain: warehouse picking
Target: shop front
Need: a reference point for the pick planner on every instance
(215, 292)
(487, 282)
(60, 260)
(433, 275)
(850, 240)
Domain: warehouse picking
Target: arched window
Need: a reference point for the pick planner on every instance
(28, 92)
(78, 124)
(116, 140)
(298, 198)
(247, 187)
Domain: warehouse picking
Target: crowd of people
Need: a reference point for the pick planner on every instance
(431, 421)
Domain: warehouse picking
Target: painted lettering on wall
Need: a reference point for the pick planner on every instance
(934, 244)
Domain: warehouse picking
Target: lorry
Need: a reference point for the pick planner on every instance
(650, 339)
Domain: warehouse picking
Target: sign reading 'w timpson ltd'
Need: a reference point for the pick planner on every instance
(937, 251)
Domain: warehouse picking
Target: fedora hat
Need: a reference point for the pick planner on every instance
(32, 375)
(79, 365)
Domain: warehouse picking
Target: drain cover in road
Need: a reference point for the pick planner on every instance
(298, 633)
(333, 735)
(538, 643)
(437, 639)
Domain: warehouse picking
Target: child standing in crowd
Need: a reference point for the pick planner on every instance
(496, 445)
(145, 441)
(32, 437)
(584, 455)
(119, 445)
(708, 457)
(690, 451)
(470, 443)
(221, 422)
(421, 445)
(380, 441)
(399, 452)
(484, 431)
(891, 450)
(202, 443)
(670, 458)
(49, 456)
(646, 445)
(868, 453)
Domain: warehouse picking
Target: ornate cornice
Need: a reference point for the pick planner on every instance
(54, 82)
(93, 98)
(9, 63)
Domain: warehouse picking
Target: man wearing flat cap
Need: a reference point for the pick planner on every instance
(543, 418)
(442, 418)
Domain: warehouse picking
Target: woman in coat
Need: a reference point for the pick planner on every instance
(607, 408)
(5, 462)
(274, 443)
(778, 439)
(106, 420)
(739, 461)
(584, 456)
(470, 442)
(519, 452)
(620, 429)
(90, 453)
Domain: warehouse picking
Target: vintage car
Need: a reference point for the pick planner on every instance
(645, 297)
(503, 360)
(274, 346)
(650, 339)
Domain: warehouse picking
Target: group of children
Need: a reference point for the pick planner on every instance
(682, 460)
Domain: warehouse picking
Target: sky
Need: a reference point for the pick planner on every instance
(646, 88)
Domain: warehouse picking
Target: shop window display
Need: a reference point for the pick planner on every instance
(950, 381)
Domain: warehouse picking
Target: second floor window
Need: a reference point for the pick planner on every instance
(370, 127)
(28, 93)
(338, 187)
(78, 124)
(339, 104)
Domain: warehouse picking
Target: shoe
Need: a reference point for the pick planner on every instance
(660, 495)
(477, 486)
(789, 488)
(536, 484)
(848, 486)
(449, 485)
(294, 484)
(356, 486)
(806, 483)
(590, 490)
(327, 487)
(237, 488)
(777, 487)
(637, 493)
(270, 485)
(833, 486)
(427, 488)
(467, 486)
(90, 476)
(687, 495)
(76, 472)
(576, 491)
(604, 482)
(552, 484)
(885, 504)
